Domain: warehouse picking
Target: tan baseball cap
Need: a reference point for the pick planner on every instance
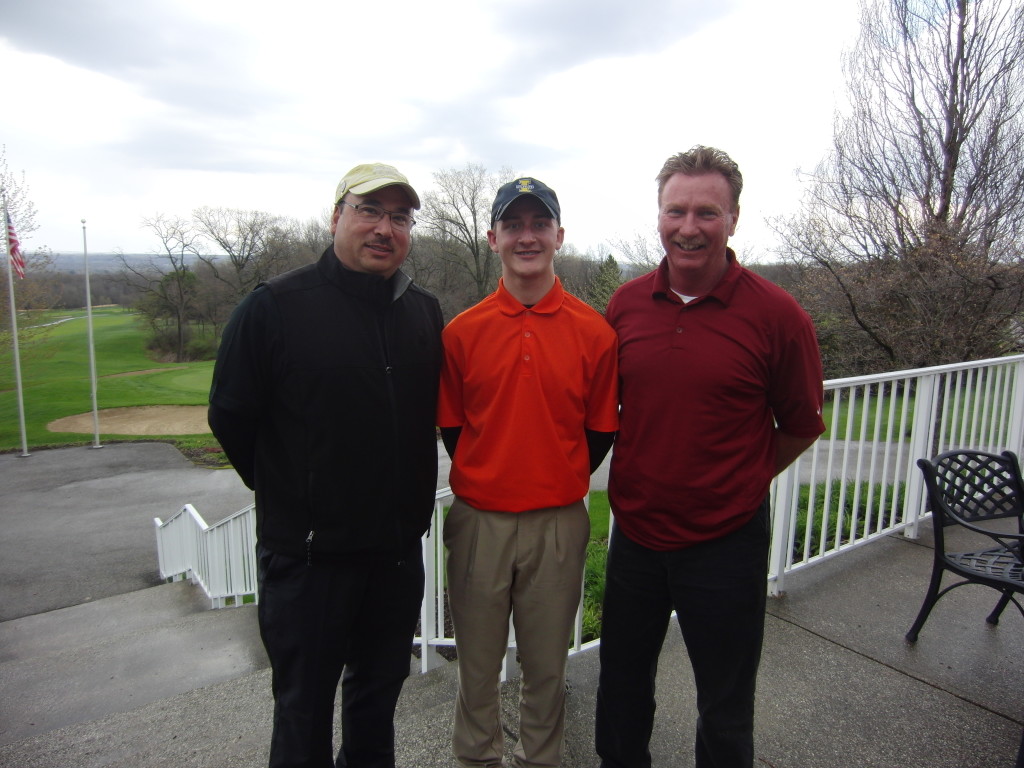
(364, 179)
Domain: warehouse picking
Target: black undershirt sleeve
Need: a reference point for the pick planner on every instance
(450, 438)
(598, 443)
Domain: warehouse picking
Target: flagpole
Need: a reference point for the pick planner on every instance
(92, 347)
(14, 333)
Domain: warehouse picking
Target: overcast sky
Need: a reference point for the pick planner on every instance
(117, 111)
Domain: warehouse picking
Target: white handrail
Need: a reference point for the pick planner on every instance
(860, 482)
(220, 558)
(855, 485)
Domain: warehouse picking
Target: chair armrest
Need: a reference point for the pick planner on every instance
(1011, 541)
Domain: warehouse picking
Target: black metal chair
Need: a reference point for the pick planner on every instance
(969, 489)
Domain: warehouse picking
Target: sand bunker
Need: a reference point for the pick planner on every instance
(141, 420)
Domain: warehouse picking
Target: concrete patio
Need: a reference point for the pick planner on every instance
(101, 666)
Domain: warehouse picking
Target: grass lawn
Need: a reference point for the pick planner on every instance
(865, 423)
(56, 381)
(597, 559)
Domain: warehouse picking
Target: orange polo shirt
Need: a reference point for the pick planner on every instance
(523, 384)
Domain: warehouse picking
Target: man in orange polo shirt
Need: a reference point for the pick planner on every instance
(527, 410)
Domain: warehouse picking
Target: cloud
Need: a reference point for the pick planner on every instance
(129, 108)
(100, 35)
(167, 52)
(571, 32)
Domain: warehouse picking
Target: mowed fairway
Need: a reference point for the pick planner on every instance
(56, 380)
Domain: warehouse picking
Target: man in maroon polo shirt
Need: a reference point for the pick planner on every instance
(721, 389)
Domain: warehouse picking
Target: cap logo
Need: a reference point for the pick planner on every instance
(524, 185)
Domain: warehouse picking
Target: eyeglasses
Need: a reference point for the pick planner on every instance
(374, 213)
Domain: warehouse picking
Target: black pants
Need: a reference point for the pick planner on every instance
(718, 591)
(322, 623)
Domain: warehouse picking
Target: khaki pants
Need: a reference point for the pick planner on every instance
(529, 564)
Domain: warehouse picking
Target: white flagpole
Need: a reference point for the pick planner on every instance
(92, 348)
(14, 334)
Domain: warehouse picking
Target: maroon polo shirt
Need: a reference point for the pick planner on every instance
(701, 387)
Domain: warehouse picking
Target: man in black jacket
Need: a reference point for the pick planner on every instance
(323, 398)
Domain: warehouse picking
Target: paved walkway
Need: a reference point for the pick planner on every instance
(98, 667)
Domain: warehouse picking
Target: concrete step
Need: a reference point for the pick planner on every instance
(226, 725)
(222, 725)
(116, 654)
(177, 692)
(98, 620)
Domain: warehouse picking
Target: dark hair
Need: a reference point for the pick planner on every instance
(698, 161)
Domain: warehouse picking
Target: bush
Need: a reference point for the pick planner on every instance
(204, 348)
(163, 344)
(593, 588)
(841, 520)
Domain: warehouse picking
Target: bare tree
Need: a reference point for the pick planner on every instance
(15, 193)
(458, 216)
(38, 290)
(911, 229)
(575, 270)
(431, 266)
(168, 291)
(15, 196)
(255, 244)
(314, 235)
(644, 251)
(212, 302)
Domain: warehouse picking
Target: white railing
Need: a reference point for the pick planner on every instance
(220, 558)
(433, 611)
(860, 480)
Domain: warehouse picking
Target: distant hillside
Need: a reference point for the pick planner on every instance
(74, 263)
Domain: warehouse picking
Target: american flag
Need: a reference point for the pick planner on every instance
(14, 248)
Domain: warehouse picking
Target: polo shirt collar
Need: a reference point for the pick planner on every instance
(511, 306)
(723, 291)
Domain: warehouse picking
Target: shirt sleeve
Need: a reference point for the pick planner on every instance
(796, 393)
(450, 407)
(603, 400)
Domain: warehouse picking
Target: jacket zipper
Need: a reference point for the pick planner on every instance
(390, 383)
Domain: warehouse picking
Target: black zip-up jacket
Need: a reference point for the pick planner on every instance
(324, 397)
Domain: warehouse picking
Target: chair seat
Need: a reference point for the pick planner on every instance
(997, 563)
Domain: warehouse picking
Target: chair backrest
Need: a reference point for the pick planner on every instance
(974, 485)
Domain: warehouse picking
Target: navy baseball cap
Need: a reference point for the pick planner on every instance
(509, 193)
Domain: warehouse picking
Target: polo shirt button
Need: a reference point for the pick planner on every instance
(527, 334)
(679, 330)
(526, 357)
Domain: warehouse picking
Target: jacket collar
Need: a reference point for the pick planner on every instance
(362, 284)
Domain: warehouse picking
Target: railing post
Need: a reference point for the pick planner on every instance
(782, 513)
(922, 432)
(432, 608)
(1015, 437)
(251, 568)
(508, 663)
